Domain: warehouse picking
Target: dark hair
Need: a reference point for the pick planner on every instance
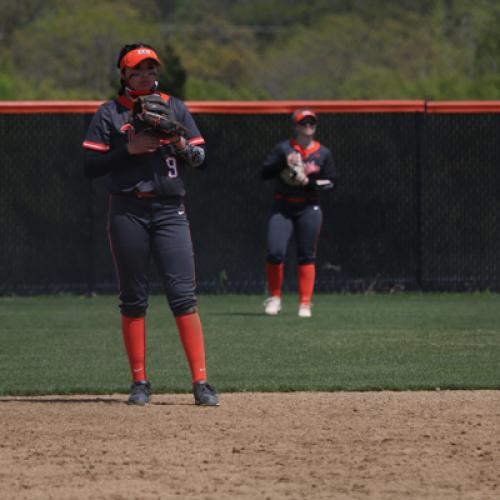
(127, 48)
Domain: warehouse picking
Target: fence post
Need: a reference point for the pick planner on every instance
(420, 145)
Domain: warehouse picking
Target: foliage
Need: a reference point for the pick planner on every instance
(172, 75)
(219, 58)
(70, 52)
(256, 49)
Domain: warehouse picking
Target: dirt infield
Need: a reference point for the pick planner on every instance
(385, 445)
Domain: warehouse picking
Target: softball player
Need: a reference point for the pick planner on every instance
(296, 208)
(147, 217)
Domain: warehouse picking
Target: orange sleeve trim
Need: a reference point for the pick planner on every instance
(165, 97)
(270, 107)
(95, 146)
(196, 141)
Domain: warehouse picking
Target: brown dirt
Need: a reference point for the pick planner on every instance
(387, 445)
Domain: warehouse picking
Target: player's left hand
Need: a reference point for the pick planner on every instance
(151, 112)
(178, 142)
(143, 142)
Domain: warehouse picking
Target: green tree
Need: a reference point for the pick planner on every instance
(71, 52)
(17, 14)
(219, 58)
(401, 56)
(256, 49)
(172, 75)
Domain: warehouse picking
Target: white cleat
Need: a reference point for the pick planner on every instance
(305, 311)
(272, 306)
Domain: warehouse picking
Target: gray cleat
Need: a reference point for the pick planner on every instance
(205, 395)
(141, 393)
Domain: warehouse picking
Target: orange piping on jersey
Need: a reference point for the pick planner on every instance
(95, 146)
(196, 141)
(125, 101)
(291, 199)
(305, 152)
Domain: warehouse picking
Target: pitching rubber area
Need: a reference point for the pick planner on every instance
(341, 445)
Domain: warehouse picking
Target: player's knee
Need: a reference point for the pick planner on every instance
(274, 259)
(133, 311)
(184, 312)
(306, 259)
(183, 305)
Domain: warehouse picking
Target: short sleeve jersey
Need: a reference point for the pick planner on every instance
(318, 163)
(159, 171)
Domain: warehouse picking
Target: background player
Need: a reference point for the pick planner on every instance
(296, 208)
(147, 216)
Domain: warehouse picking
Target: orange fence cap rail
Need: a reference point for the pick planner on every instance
(20, 107)
(463, 107)
(278, 107)
(227, 107)
(271, 107)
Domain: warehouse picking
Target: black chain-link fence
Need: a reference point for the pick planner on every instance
(416, 205)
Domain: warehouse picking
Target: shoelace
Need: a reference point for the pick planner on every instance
(208, 388)
(270, 299)
(140, 388)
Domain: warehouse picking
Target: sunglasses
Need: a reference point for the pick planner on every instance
(307, 121)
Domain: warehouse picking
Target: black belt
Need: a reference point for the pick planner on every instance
(146, 194)
(171, 200)
(294, 199)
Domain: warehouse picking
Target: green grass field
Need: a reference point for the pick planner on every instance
(69, 344)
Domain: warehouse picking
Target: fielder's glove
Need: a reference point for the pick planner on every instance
(294, 173)
(151, 113)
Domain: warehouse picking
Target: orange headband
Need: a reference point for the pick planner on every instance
(300, 115)
(134, 57)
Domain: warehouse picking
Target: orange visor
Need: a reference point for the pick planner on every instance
(134, 57)
(303, 113)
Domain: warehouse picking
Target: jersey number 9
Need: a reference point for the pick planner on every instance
(171, 166)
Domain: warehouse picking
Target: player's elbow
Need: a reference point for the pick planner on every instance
(94, 167)
(89, 169)
(266, 173)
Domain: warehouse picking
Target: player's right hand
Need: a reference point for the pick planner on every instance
(143, 143)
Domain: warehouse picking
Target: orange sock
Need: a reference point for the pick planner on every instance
(191, 334)
(134, 336)
(274, 278)
(307, 275)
